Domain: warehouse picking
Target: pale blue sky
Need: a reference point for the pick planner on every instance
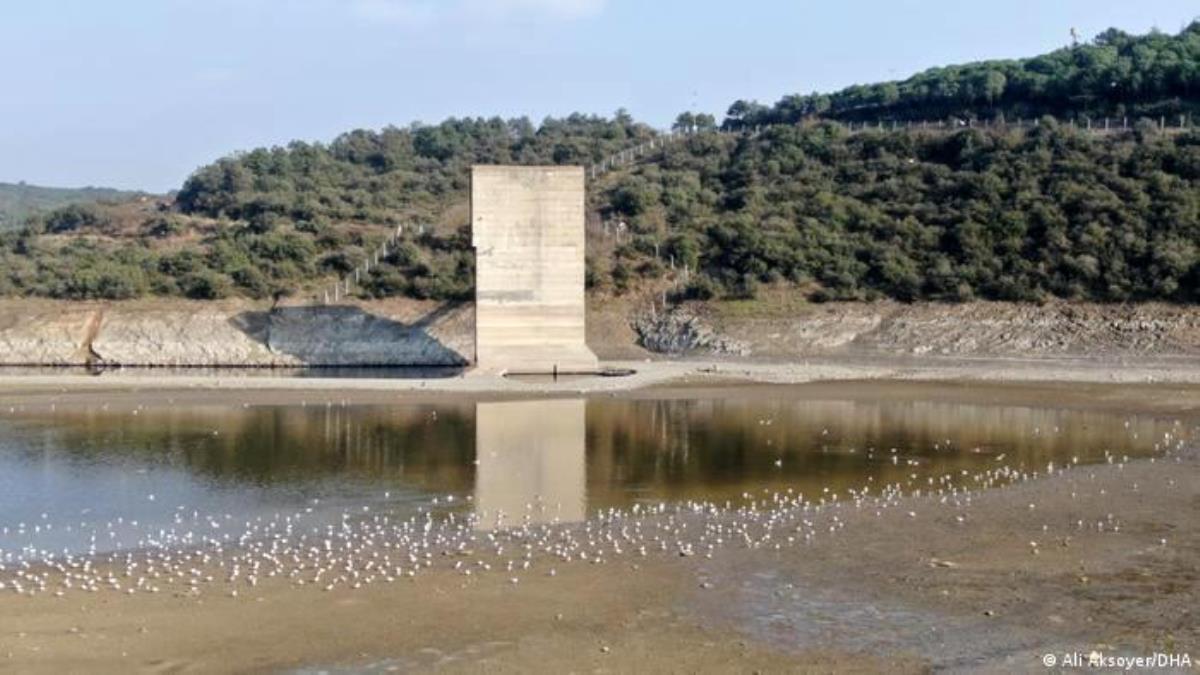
(138, 93)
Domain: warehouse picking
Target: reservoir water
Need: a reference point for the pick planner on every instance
(97, 479)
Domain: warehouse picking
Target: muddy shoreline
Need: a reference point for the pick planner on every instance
(16, 386)
(1102, 557)
(22, 394)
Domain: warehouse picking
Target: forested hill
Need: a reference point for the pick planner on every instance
(19, 200)
(397, 175)
(1115, 75)
(995, 213)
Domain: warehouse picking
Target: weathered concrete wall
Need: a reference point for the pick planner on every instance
(527, 226)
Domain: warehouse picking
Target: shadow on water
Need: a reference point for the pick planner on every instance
(347, 335)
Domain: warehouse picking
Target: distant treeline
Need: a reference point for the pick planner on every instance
(20, 201)
(1116, 75)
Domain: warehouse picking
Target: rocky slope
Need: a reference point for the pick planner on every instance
(971, 329)
(682, 332)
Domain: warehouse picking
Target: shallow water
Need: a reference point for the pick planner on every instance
(94, 479)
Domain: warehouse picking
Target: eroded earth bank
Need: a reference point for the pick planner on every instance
(413, 333)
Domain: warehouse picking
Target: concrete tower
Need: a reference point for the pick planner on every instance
(527, 227)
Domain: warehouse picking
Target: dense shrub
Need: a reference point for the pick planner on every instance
(74, 216)
(206, 285)
(104, 280)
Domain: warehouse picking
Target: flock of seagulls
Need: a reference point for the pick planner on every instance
(202, 554)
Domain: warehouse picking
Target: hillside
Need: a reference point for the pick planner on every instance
(996, 214)
(18, 201)
(274, 221)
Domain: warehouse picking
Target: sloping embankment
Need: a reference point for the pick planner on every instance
(410, 333)
(180, 333)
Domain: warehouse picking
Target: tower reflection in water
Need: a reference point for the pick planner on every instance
(531, 462)
(563, 458)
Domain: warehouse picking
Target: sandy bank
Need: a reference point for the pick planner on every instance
(18, 386)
